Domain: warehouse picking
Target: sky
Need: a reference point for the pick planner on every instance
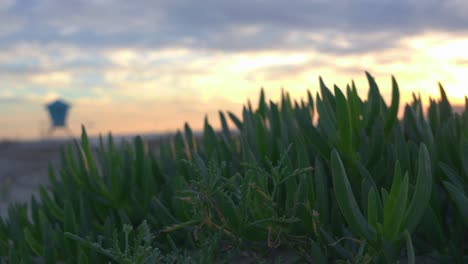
(150, 66)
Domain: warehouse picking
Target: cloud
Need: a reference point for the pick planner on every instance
(33, 58)
(461, 62)
(233, 26)
(54, 79)
(7, 98)
(6, 4)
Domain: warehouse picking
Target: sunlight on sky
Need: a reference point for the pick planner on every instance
(144, 91)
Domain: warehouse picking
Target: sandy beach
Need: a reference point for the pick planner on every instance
(23, 168)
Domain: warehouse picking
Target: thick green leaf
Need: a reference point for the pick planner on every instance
(209, 139)
(433, 229)
(224, 126)
(354, 103)
(346, 200)
(445, 109)
(310, 100)
(374, 100)
(451, 174)
(372, 208)
(262, 107)
(326, 120)
(317, 254)
(460, 200)
(321, 190)
(464, 156)
(189, 137)
(335, 245)
(433, 115)
(86, 151)
(33, 243)
(236, 121)
(261, 137)
(228, 210)
(344, 122)
(327, 95)
(394, 107)
(50, 205)
(394, 208)
(422, 191)
(318, 142)
(409, 248)
(69, 225)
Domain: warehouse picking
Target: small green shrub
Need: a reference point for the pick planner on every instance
(353, 185)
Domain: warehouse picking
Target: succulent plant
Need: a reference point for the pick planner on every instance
(354, 184)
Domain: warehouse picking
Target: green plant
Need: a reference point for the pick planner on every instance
(330, 178)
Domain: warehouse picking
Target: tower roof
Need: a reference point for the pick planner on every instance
(58, 112)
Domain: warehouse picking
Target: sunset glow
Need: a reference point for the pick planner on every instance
(149, 85)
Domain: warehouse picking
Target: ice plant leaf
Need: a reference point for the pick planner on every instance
(262, 107)
(354, 104)
(189, 136)
(422, 191)
(236, 121)
(346, 200)
(86, 150)
(460, 200)
(372, 208)
(321, 185)
(395, 206)
(224, 126)
(326, 119)
(344, 122)
(409, 248)
(393, 111)
(445, 109)
(33, 242)
(374, 101)
(260, 137)
(327, 95)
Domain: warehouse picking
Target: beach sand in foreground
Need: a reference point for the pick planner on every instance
(23, 168)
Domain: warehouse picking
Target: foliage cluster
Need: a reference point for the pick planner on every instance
(331, 179)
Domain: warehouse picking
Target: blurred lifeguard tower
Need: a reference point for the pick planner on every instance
(58, 116)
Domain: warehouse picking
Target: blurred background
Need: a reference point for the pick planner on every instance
(149, 66)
